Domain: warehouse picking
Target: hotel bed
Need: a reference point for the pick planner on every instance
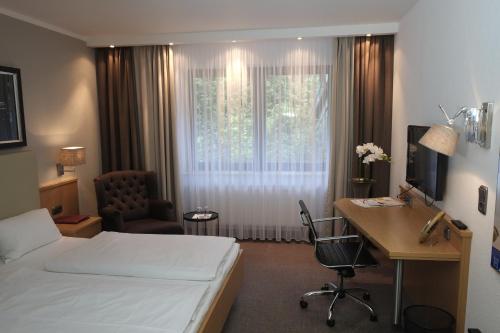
(33, 299)
(50, 302)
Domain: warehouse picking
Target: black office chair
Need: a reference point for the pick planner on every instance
(342, 255)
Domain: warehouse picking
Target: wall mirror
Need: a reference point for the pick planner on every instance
(12, 129)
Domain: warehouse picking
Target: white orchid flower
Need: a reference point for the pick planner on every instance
(375, 153)
(360, 150)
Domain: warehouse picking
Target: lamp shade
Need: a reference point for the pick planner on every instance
(72, 156)
(440, 138)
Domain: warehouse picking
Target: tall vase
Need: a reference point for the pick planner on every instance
(361, 187)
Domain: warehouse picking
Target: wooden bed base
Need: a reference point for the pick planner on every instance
(219, 310)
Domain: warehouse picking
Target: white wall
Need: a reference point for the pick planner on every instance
(60, 98)
(448, 52)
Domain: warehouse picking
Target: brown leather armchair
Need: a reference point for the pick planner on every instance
(128, 202)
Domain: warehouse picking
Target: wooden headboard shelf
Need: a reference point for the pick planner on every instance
(60, 192)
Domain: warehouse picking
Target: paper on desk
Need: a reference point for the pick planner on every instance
(378, 202)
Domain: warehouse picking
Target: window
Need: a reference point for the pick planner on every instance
(253, 132)
(267, 122)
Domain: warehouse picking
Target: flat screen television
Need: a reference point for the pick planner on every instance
(425, 168)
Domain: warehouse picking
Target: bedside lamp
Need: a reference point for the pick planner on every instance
(70, 156)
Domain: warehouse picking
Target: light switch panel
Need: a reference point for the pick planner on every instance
(483, 199)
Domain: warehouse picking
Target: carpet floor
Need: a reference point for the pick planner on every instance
(277, 274)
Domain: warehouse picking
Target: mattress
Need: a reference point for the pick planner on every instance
(35, 261)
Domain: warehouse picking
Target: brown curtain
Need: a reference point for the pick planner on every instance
(118, 110)
(155, 111)
(373, 75)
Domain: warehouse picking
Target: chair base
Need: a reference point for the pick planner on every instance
(339, 292)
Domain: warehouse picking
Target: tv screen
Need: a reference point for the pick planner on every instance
(425, 168)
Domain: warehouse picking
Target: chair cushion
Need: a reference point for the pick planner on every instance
(152, 226)
(342, 254)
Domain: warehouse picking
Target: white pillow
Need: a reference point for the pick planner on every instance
(26, 232)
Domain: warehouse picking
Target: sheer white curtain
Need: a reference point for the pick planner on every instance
(253, 132)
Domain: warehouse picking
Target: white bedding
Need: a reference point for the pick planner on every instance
(20, 321)
(38, 301)
(174, 257)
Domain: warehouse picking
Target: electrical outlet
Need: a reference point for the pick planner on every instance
(483, 199)
(56, 210)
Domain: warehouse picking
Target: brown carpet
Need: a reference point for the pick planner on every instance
(277, 274)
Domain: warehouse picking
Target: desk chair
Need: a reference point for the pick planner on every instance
(344, 256)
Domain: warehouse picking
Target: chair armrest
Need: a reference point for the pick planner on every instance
(162, 210)
(112, 219)
(326, 239)
(326, 219)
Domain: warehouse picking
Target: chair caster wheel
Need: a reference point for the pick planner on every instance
(325, 287)
(373, 318)
(366, 296)
(303, 304)
(330, 322)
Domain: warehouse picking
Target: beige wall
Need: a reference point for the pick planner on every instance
(448, 52)
(59, 94)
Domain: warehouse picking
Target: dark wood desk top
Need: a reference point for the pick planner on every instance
(395, 231)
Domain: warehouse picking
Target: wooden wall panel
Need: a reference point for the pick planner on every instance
(61, 191)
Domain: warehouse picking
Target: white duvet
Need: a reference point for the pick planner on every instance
(43, 302)
(175, 257)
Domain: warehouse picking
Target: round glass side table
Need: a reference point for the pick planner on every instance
(192, 218)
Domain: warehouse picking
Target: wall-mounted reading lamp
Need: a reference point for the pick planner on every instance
(443, 138)
(70, 156)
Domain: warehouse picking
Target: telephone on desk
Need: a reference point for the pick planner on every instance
(429, 227)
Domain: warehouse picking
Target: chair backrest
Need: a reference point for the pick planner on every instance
(127, 191)
(307, 220)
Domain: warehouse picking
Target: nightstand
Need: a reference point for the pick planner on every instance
(85, 229)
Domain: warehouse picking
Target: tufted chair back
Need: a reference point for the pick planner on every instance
(128, 192)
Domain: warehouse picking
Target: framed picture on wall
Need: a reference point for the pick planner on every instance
(12, 129)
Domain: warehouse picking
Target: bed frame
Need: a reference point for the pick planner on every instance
(19, 193)
(219, 310)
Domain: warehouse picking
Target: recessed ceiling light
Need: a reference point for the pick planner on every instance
(368, 35)
(112, 46)
(299, 38)
(170, 43)
(233, 41)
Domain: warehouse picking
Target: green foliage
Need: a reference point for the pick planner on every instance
(281, 128)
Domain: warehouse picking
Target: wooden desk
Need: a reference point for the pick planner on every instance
(435, 273)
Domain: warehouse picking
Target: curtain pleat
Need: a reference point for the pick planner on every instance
(341, 122)
(372, 105)
(118, 110)
(155, 115)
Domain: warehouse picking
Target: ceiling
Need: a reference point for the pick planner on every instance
(95, 18)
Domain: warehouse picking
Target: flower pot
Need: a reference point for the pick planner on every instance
(361, 187)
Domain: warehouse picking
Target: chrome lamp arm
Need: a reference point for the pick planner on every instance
(451, 120)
